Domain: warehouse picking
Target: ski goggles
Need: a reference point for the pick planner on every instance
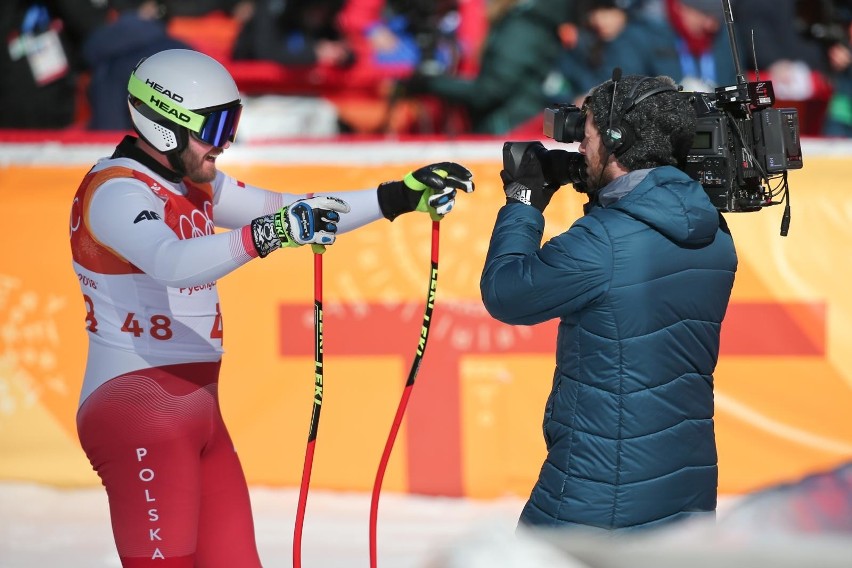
(215, 126)
(220, 126)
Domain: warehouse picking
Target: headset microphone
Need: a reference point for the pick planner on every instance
(613, 135)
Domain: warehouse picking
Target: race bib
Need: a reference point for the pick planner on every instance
(44, 53)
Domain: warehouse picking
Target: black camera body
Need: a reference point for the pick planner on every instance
(559, 167)
(741, 145)
(741, 152)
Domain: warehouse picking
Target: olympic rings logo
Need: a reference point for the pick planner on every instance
(199, 223)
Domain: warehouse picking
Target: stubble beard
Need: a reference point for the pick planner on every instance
(198, 169)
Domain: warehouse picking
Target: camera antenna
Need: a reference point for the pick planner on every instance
(729, 23)
(754, 57)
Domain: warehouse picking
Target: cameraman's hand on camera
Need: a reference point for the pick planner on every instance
(430, 189)
(306, 221)
(527, 184)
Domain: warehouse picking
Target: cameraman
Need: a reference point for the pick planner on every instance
(640, 285)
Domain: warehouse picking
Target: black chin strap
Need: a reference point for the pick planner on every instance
(128, 149)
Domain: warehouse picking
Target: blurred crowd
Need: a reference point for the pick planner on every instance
(441, 67)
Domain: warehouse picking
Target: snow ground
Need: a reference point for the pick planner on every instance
(47, 527)
(43, 527)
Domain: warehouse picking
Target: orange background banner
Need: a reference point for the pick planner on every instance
(473, 424)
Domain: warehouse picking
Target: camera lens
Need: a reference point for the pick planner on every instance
(564, 123)
(574, 128)
(561, 167)
(576, 167)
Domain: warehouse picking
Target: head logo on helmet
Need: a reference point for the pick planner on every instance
(179, 92)
(154, 98)
(168, 93)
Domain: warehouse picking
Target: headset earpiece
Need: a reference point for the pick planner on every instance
(619, 137)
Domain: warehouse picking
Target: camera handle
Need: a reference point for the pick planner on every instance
(559, 167)
(513, 153)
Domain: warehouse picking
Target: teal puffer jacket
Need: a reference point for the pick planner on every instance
(640, 288)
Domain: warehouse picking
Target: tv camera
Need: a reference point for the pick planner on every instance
(741, 152)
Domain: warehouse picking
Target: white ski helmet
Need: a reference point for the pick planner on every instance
(180, 91)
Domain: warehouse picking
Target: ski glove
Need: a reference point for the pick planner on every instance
(527, 184)
(431, 189)
(306, 221)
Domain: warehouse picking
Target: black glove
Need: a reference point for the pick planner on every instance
(527, 184)
(430, 189)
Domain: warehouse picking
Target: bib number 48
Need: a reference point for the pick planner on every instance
(158, 326)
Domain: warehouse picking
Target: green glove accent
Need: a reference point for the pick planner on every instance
(430, 189)
(423, 205)
(281, 225)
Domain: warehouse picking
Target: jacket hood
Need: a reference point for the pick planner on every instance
(674, 204)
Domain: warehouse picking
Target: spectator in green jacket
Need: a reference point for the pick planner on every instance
(519, 52)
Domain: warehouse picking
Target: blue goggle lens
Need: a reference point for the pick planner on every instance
(220, 126)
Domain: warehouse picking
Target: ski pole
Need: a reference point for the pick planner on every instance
(406, 393)
(317, 407)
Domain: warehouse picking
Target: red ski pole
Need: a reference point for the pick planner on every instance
(317, 407)
(406, 393)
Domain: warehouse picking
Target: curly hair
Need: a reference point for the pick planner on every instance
(660, 127)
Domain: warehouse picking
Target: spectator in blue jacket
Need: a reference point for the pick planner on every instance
(703, 48)
(611, 33)
(640, 285)
(137, 31)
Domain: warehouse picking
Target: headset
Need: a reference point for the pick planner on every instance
(619, 135)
